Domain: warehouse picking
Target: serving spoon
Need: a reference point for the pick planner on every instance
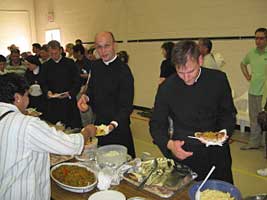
(197, 195)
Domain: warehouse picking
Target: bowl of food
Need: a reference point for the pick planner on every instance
(215, 189)
(111, 155)
(74, 177)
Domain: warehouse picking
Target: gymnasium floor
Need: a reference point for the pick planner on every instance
(245, 163)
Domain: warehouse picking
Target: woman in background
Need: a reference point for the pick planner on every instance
(166, 67)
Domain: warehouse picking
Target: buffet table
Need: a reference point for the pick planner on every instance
(126, 188)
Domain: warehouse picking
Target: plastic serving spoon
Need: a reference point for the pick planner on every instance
(197, 195)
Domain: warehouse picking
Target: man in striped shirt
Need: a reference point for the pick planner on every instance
(25, 144)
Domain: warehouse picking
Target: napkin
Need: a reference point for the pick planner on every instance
(108, 176)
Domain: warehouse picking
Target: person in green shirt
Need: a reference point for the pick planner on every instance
(257, 60)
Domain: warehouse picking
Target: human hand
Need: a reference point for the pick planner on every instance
(175, 146)
(82, 103)
(88, 132)
(49, 94)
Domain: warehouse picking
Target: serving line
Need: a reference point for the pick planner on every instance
(128, 189)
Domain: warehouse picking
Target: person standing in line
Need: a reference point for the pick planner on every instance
(166, 68)
(69, 50)
(84, 65)
(123, 56)
(44, 54)
(205, 47)
(257, 60)
(36, 48)
(33, 76)
(2, 64)
(60, 83)
(184, 98)
(110, 93)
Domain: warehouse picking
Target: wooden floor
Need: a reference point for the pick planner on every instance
(245, 163)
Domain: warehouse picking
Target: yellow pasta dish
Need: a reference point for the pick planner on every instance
(215, 194)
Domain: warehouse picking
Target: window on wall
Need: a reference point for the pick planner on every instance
(53, 34)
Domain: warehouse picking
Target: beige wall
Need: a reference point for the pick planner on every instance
(146, 19)
(17, 24)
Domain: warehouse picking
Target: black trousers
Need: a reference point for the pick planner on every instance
(205, 157)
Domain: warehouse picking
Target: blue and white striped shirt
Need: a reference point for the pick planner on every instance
(25, 144)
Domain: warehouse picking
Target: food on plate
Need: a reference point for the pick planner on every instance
(84, 106)
(210, 136)
(59, 126)
(91, 143)
(32, 112)
(215, 194)
(75, 176)
(101, 130)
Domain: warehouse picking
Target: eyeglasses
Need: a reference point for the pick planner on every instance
(260, 38)
(106, 46)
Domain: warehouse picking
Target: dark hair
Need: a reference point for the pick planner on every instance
(206, 43)
(44, 47)
(168, 46)
(91, 50)
(36, 45)
(123, 56)
(2, 58)
(79, 41)
(63, 53)
(53, 44)
(264, 30)
(78, 48)
(15, 51)
(33, 60)
(182, 50)
(10, 84)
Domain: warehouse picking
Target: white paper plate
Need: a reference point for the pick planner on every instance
(210, 143)
(107, 195)
(57, 95)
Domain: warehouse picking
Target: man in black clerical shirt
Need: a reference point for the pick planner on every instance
(60, 82)
(110, 93)
(197, 99)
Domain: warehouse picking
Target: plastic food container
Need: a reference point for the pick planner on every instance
(111, 155)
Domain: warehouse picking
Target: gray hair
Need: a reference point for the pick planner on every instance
(53, 44)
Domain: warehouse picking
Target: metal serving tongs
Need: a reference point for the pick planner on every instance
(155, 166)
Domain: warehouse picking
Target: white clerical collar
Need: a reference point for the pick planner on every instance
(198, 75)
(57, 61)
(36, 70)
(110, 61)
